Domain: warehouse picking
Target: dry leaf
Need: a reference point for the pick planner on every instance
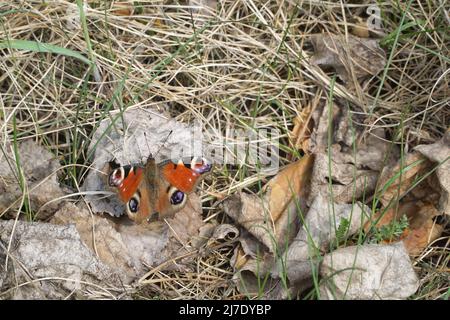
(353, 174)
(39, 168)
(184, 226)
(368, 272)
(292, 181)
(204, 234)
(122, 8)
(402, 193)
(251, 212)
(132, 248)
(301, 132)
(439, 152)
(419, 237)
(57, 255)
(239, 258)
(396, 180)
(319, 229)
(270, 217)
(358, 56)
(360, 29)
(250, 270)
(422, 229)
(224, 232)
(98, 234)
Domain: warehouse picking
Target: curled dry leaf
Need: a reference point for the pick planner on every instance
(204, 234)
(58, 256)
(396, 180)
(269, 222)
(301, 132)
(439, 153)
(132, 248)
(403, 191)
(211, 233)
(322, 223)
(355, 159)
(352, 55)
(39, 168)
(224, 232)
(368, 272)
(269, 218)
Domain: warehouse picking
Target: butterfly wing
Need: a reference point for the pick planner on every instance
(133, 189)
(156, 191)
(176, 181)
(186, 176)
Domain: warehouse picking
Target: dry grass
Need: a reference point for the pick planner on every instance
(246, 67)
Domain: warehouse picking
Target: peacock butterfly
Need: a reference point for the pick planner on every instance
(156, 191)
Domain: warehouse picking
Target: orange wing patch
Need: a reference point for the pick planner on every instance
(181, 177)
(130, 184)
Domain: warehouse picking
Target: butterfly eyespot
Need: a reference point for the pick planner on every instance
(177, 197)
(133, 205)
(116, 177)
(200, 167)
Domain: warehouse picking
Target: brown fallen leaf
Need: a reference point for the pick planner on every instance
(252, 263)
(359, 56)
(421, 230)
(360, 28)
(122, 8)
(205, 233)
(269, 217)
(239, 259)
(418, 239)
(301, 132)
(396, 180)
(291, 182)
(268, 222)
(402, 191)
(133, 248)
(98, 234)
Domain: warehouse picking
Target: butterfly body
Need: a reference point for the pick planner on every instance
(156, 191)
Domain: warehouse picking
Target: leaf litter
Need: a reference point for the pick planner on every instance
(350, 166)
(284, 234)
(101, 241)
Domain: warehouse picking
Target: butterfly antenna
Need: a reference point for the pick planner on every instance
(160, 147)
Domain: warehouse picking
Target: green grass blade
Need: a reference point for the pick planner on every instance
(36, 46)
